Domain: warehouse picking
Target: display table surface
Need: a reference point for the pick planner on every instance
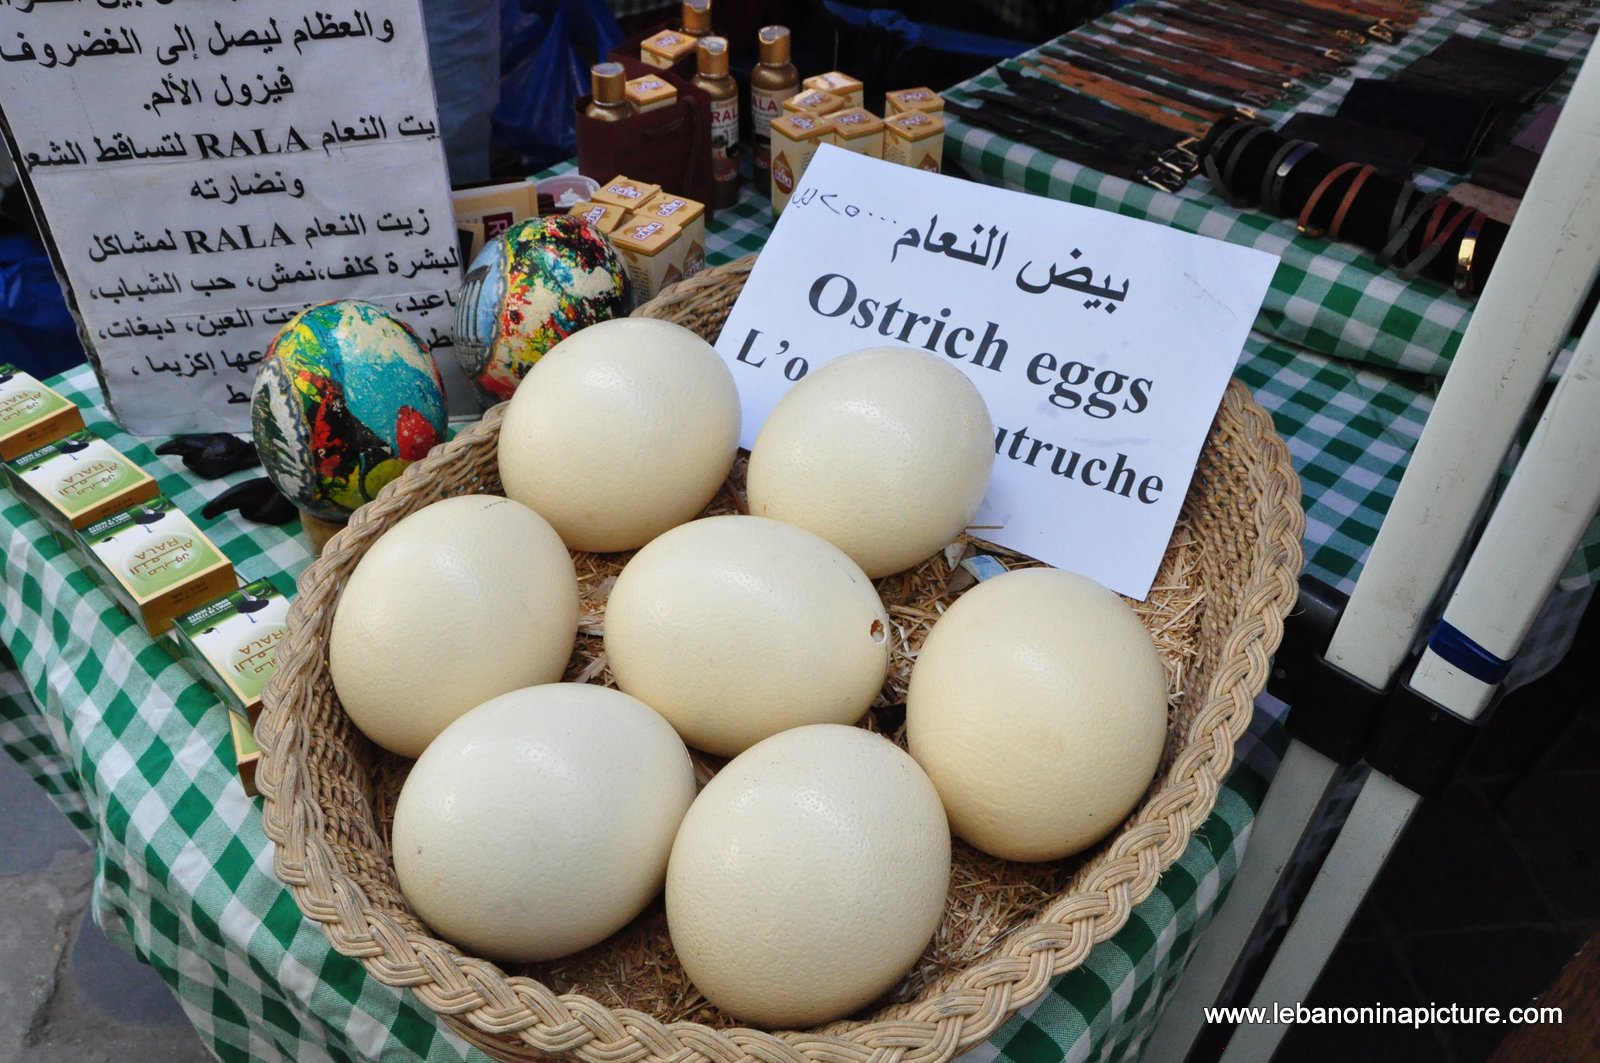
(136, 751)
(1327, 298)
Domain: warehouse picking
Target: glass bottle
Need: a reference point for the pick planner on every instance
(696, 17)
(711, 58)
(607, 83)
(772, 80)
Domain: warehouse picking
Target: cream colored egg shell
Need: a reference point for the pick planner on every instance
(622, 430)
(463, 600)
(735, 628)
(886, 453)
(540, 822)
(808, 876)
(1037, 706)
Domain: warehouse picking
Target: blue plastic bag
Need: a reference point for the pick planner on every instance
(37, 334)
(547, 49)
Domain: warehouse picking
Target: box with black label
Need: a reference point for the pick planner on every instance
(156, 563)
(233, 641)
(31, 415)
(77, 480)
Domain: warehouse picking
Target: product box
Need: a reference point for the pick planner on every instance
(156, 563)
(649, 93)
(666, 48)
(902, 101)
(795, 139)
(688, 215)
(78, 479)
(625, 192)
(245, 753)
(31, 415)
(652, 252)
(603, 216)
(234, 641)
(497, 207)
(840, 84)
(814, 101)
(915, 139)
(858, 130)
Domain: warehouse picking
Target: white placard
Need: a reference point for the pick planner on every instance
(1101, 344)
(207, 168)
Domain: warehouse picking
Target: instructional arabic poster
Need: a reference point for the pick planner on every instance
(1101, 344)
(208, 168)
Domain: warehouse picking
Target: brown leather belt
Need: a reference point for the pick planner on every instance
(1147, 105)
(1190, 58)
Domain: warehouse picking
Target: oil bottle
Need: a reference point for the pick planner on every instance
(772, 80)
(713, 78)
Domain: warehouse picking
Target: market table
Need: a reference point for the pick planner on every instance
(135, 750)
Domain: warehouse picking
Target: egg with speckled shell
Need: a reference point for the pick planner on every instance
(530, 287)
(345, 398)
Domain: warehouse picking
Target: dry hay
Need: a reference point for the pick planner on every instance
(989, 897)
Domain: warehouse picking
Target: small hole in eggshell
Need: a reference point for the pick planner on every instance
(879, 634)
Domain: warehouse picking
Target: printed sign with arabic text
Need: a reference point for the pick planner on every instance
(207, 169)
(1100, 343)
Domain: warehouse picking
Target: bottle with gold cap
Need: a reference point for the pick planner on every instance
(696, 17)
(772, 80)
(607, 85)
(713, 78)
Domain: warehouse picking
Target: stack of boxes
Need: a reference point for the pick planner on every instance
(661, 237)
(829, 110)
(160, 568)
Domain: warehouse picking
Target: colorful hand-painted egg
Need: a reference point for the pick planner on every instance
(532, 286)
(346, 397)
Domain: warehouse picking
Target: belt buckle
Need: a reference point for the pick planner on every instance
(1379, 32)
(1351, 37)
(1165, 180)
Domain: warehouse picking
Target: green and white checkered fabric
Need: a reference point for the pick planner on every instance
(136, 751)
(1327, 297)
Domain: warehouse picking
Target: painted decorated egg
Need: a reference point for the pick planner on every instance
(532, 286)
(346, 397)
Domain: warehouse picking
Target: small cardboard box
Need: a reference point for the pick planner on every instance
(688, 215)
(902, 101)
(156, 563)
(625, 192)
(795, 139)
(497, 207)
(234, 640)
(649, 93)
(79, 479)
(652, 252)
(915, 139)
(666, 48)
(858, 130)
(605, 217)
(31, 415)
(814, 101)
(840, 84)
(245, 753)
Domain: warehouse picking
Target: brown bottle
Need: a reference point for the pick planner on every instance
(711, 57)
(696, 17)
(772, 80)
(607, 83)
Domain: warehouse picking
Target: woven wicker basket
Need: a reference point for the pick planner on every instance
(1228, 579)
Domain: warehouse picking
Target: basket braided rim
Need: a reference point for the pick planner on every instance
(518, 1017)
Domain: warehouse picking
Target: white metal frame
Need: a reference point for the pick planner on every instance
(1548, 264)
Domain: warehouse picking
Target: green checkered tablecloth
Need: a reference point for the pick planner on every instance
(136, 751)
(1327, 297)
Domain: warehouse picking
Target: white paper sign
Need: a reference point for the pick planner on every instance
(207, 168)
(1101, 344)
